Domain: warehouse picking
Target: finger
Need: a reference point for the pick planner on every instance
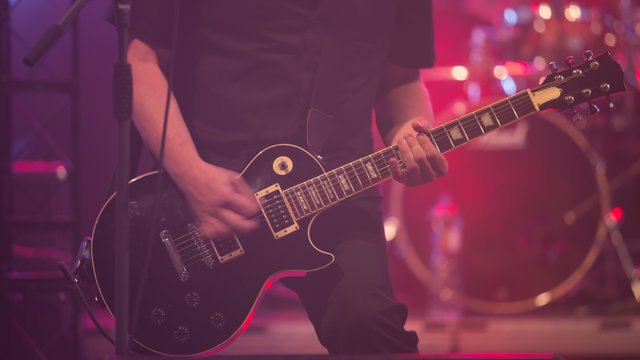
(239, 203)
(242, 187)
(214, 228)
(421, 126)
(438, 164)
(396, 171)
(420, 157)
(411, 167)
(437, 161)
(427, 150)
(237, 222)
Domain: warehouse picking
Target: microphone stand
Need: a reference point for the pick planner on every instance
(122, 104)
(52, 35)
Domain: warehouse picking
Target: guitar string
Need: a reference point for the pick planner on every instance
(354, 174)
(466, 120)
(440, 133)
(178, 243)
(191, 242)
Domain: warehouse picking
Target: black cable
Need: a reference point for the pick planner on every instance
(74, 283)
(156, 210)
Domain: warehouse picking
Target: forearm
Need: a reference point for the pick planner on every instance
(149, 98)
(401, 102)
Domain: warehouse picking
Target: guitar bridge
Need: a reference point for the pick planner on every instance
(277, 211)
(174, 256)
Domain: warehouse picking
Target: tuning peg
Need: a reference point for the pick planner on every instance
(593, 109)
(587, 55)
(553, 66)
(570, 60)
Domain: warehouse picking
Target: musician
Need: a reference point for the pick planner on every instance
(245, 74)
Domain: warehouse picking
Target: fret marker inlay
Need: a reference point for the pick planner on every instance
(344, 183)
(329, 189)
(486, 119)
(372, 172)
(455, 133)
(302, 200)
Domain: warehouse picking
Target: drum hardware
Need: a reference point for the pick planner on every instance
(539, 267)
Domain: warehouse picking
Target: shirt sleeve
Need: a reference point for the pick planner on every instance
(412, 42)
(152, 21)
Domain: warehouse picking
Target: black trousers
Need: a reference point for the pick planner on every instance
(351, 303)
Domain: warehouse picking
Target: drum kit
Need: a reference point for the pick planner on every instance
(524, 213)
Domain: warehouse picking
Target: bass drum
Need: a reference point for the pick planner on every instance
(527, 200)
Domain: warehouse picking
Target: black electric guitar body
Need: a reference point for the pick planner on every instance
(200, 293)
(189, 308)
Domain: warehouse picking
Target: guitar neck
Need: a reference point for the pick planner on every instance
(336, 185)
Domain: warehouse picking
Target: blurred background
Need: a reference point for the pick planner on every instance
(528, 245)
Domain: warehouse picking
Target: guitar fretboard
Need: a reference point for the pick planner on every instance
(329, 188)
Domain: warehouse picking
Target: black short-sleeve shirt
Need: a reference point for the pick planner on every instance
(245, 69)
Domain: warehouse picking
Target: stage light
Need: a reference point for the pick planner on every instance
(596, 28)
(516, 68)
(508, 85)
(474, 92)
(616, 214)
(500, 72)
(544, 11)
(610, 39)
(460, 73)
(391, 227)
(572, 12)
(539, 26)
(539, 63)
(510, 16)
(459, 107)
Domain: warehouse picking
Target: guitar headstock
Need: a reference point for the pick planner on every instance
(596, 77)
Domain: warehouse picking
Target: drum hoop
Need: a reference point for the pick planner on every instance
(424, 275)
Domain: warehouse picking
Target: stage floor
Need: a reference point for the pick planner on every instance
(288, 332)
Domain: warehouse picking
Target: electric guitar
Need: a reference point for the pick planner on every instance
(200, 294)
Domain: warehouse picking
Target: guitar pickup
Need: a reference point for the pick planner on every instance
(227, 248)
(276, 211)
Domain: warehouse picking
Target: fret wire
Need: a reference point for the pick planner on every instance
(372, 161)
(303, 199)
(513, 109)
(333, 186)
(346, 178)
(308, 197)
(336, 181)
(478, 121)
(292, 204)
(321, 190)
(463, 130)
(470, 127)
(499, 106)
(354, 172)
(325, 189)
(298, 205)
(434, 140)
(364, 169)
(315, 182)
(312, 190)
(494, 114)
(448, 135)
